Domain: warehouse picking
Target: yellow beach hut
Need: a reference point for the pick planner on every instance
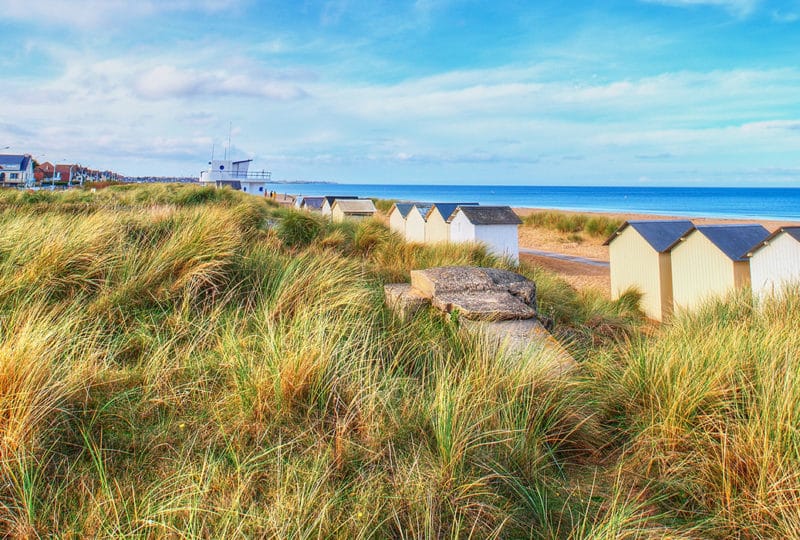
(640, 259)
(711, 260)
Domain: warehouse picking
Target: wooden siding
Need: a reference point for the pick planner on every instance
(635, 264)
(415, 226)
(397, 222)
(700, 272)
(436, 228)
(775, 266)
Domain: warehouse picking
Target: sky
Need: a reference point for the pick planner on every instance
(639, 92)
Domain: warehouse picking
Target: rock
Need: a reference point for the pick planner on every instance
(522, 336)
(403, 299)
(484, 305)
(434, 282)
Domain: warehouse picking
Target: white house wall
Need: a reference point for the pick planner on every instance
(436, 228)
(700, 272)
(502, 240)
(461, 230)
(775, 265)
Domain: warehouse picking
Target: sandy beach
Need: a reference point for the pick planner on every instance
(589, 276)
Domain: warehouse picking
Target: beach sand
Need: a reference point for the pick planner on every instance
(584, 276)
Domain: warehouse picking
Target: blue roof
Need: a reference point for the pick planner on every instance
(660, 234)
(735, 241)
(313, 202)
(423, 209)
(15, 161)
(447, 209)
(405, 208)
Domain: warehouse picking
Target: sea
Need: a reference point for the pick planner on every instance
(779, 204)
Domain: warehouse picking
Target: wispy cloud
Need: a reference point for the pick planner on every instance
(736, 7)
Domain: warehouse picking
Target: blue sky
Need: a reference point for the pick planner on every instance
(657, 92)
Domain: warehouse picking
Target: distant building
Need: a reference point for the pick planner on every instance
(328, 203)
(640, 258)
(16, 170)
(437, 222)
(355, 209)
(312, 204)
(775, 263)
(711, 261)
(494, 226)
(236, 175)
(397, 217)
(415, 222)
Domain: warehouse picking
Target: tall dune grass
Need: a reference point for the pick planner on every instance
(176, 362)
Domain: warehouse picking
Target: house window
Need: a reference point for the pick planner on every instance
(244, 188)
(261, 188)
(13, 176)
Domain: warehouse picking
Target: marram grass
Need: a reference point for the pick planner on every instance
(192, 363)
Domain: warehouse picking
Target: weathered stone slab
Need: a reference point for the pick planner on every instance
(404, 299)
(433, 282)
(523, 336)
(484, 305)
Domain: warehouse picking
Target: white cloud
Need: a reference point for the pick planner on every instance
(166, 81)
(737, 7)
(89, 13)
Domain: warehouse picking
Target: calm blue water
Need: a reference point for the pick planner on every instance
(753, 203)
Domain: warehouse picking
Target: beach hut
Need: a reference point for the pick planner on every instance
(437, 222)
(312, 204)
(711, 261)
(327, 204)
(495, 226)
(775, 262)
(352, 209)
(415, 222)
(639, 258)
(397, 216)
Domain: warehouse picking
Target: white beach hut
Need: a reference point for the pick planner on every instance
(398, 215)
(437, 222)
(327, 204)
(495, 226)
(415, 222)
(775, 263)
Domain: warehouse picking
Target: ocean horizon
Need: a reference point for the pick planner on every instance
(778, 204)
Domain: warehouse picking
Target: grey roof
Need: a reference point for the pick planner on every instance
(794, 232)
(14, 160)
(490, 215)
(331, 198)
(405, 207)
(735, 241)
(448, 209)
(660, 234)
(313, 202)
(355, 206)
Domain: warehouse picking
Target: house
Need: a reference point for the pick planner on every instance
(640, 258)
(352, 209)
(711, 261)
(437, 222)
(415, 222)
(66, 173)
(16, 170)
(495, 226)
(236, 175)
(45, 173)
(775, 262)
(397, 216)
(327, 205)
(312, 204)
